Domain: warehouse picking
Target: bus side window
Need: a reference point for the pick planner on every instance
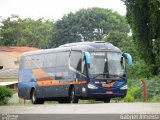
(61, 65)
(76, 60)
(62, 59)
(49, 60)
(26, 63)
(79, 65)
(37, 61)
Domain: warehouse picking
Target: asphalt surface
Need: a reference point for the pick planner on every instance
(100, 108)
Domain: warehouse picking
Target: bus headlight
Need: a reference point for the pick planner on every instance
(125, 87)
(90, 86)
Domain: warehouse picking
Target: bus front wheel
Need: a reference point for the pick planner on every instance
(34, 98)
(73, 98)
(107, 100)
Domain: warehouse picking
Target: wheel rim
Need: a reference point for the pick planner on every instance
(72, 96)
(33, 97)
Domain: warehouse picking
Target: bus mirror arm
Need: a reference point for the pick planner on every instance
(88, 65)
(128, 57)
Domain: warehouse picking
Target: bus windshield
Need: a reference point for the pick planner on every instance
(107, 64)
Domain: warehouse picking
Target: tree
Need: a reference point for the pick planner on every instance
(144, 19)
(25, 32)
(116, 38)
(87, 25)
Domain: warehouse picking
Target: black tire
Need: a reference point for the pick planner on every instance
(107, 100)
(73, 98)
(34, 98)
(64, 100)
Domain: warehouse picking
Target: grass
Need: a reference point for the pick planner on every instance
(8, 79)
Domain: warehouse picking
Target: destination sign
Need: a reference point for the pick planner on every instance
(98, 54)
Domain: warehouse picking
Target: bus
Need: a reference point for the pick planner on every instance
(82, 70)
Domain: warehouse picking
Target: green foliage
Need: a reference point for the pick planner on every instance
(128, 45)
(139, 70)
(91, 24)
(135, 90)
(129, 98)
(116, 38)
(25, 32)
(5, 94)
(87, 101)
(144, 19)
(155, 99)
(134, 94)
(153, 89)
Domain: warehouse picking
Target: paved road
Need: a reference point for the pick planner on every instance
(101, 108)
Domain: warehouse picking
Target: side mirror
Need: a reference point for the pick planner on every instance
(129, 57)
(88, 57)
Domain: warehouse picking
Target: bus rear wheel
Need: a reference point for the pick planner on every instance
(64, 100)
(34, 98)
(73, 97)
(107, 100)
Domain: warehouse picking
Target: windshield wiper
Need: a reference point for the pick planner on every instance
(122, 77)
(100, 74)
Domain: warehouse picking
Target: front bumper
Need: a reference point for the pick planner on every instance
(102, 93)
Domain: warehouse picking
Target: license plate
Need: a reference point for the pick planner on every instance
(109, 92)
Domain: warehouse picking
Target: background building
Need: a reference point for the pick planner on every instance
(9, 64)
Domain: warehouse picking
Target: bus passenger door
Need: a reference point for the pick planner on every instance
(76, 60)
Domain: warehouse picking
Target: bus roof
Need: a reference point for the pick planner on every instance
(92, 46)
(79, 46)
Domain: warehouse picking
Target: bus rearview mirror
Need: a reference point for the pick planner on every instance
(128, 57)
(88, 57)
